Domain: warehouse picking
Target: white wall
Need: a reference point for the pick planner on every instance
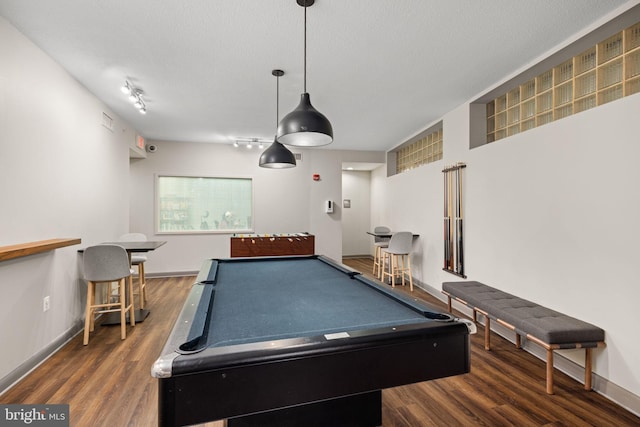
(63, 175)
(549, 216)
(285, 201)
(356, 187)
(563, 223)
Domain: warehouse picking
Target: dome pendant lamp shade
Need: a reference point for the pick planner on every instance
(305, 126)
(277, 156)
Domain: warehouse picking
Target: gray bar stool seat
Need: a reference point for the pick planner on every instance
(379, 243)
(399, 250)
(105, 264)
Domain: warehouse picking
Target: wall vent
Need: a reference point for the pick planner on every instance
(107, 121)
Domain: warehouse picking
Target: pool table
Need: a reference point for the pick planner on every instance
(298, 340)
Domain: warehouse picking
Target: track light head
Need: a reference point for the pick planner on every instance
(135, 96)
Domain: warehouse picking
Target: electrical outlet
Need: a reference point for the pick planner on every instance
(46, 304)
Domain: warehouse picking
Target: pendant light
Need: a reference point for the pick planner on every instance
(305, 126)
(277, 156)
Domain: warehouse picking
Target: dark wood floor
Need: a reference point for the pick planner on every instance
(108, 382)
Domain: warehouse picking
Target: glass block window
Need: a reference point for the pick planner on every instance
(425, 150)
(607, 71)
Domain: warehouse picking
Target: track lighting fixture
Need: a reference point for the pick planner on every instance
(249, 142)
(277, 156)
(305, 126)
(135, 96)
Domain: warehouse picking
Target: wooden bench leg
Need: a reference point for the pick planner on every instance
(518, 342)
(587, 369)
(549, 371)
(449, 308)
(487, 333)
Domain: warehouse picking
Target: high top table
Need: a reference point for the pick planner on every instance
(130, 247)
(387, 235)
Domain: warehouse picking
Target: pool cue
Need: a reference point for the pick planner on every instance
(452, 254)
(460, 268)
(448, 196)
(446, 222)
(456, 201)
(454, 208)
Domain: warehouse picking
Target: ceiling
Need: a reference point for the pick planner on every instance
(380, 70)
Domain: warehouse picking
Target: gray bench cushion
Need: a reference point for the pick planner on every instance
(527, 317)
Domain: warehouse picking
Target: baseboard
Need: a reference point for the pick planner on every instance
(172, 274)
(369, 256)
(600, 385)
(37, 359)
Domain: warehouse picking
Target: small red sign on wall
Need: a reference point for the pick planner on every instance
(140, 142)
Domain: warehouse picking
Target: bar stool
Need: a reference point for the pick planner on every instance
(399, 250)
(379, 243)
(105, 264)
(138, 262)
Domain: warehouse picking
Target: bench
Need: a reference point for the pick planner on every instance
(548, 328)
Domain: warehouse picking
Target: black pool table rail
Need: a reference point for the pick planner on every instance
(209, 271)
(212, 358)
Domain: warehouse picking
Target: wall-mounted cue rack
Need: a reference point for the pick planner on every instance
(453, 220)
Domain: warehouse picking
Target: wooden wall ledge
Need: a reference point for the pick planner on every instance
(24, 249)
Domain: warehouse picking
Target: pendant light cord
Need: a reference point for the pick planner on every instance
(305, 48)
(277, 98)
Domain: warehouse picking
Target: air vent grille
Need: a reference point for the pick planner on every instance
(107, 121)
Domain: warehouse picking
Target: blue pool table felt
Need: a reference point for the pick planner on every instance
(263, 301)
